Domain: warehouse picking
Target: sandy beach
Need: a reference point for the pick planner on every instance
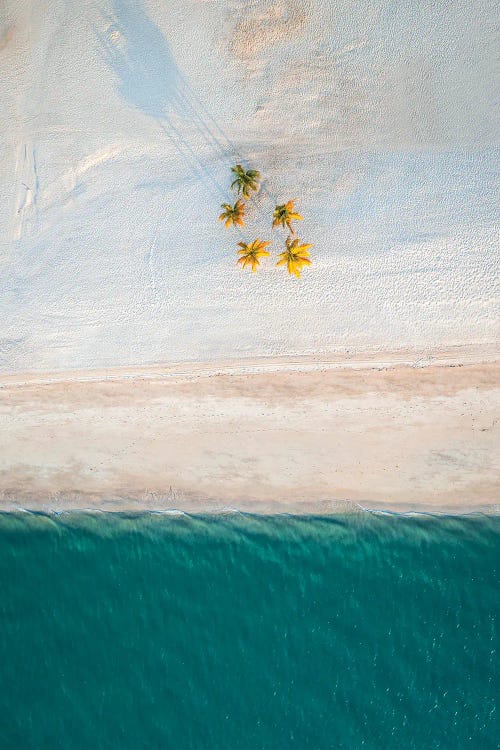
(299, 435)
(163, 375)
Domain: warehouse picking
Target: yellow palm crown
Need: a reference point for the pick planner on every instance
(284, 215)
(233, 214)
(246, 180)
(251, 253)
(295, 257)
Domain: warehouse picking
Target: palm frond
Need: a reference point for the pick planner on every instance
(283, 215)
(252, 252)
(295, 257)
(246, 182)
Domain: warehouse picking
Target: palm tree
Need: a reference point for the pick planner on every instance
(283, 216)
(295, 256)
(233, 214)
(246, 181)
(252, 252)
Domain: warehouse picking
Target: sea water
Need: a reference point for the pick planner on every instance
(241, 632)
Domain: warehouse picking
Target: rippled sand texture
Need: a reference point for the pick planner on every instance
(120, 121)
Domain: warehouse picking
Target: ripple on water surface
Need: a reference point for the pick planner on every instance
(183, 631)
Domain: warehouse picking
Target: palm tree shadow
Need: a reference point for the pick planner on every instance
(135, 49)
(138, 53)
(148, 78)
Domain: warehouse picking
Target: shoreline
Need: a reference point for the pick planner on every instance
(451, 356)
(335, 510)
(398, 432)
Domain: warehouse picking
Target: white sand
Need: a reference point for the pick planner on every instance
(266, 436)
(379, 117)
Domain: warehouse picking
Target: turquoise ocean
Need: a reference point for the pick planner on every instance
(241, 632)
